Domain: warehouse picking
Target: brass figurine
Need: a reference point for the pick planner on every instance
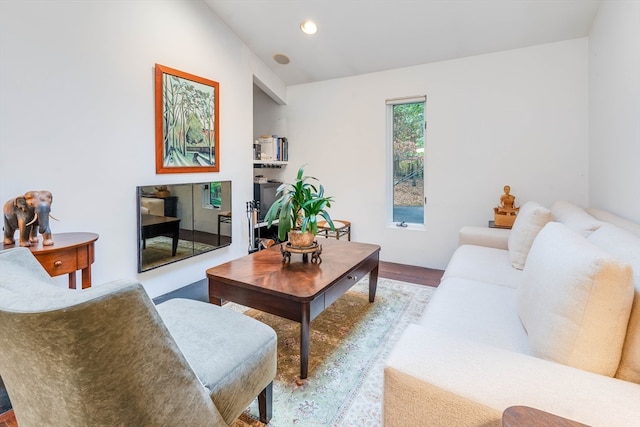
(506, 211)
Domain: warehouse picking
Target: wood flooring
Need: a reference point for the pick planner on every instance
(409, 273)
(388, 270)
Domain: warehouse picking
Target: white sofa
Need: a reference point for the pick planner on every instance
(560, 333)
(151, 206)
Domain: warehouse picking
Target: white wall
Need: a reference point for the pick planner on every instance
(614, 109)
(517, 117)
(76, 85)
(267, 121)
(266, 113)
(77, 117)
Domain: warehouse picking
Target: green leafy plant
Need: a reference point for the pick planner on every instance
(298, 206)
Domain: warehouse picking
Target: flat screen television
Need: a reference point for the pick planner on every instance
(266, 195)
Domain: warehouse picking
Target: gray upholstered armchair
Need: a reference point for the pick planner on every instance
(107, 356)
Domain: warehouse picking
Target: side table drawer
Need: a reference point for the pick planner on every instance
(61, 262)
(69, 253)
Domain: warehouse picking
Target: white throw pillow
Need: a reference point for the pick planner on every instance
(575, 301)
(530, 220)
(625, 246)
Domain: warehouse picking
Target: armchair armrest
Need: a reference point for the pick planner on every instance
(477, 382)
(484, 236)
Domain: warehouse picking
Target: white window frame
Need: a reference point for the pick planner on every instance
(389, 172)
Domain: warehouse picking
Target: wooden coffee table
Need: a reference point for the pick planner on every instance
(295, 290)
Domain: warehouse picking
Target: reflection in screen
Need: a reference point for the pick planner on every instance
(179, 221)
(215, 194)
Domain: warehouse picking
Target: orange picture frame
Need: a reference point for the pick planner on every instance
(187, 122)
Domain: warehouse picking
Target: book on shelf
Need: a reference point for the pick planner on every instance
(271, 148)
(284, 149)
(256, 151)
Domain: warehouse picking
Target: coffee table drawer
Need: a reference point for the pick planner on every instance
(346, 283)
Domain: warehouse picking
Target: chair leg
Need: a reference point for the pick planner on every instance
(265, 400)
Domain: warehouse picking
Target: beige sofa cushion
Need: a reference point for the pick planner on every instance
(625, 224)
(625, 246)
(489, 265)
(446, 380)
(152, 206)
(530, 220)
(483, 312)
(575, 301)
(574, 217)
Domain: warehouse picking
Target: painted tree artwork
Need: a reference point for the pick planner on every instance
(187, 132)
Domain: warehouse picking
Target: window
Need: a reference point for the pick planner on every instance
(212, 195)
(406, 130)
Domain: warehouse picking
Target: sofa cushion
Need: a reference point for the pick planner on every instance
(477, 311)
(483, 264)
(625, 224)
(621, 244)
(574, 217)
(453, 381)
(575, 301)
(625, 246)
(153, 206)
(530, 220)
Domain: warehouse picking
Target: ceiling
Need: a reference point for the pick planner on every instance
(363, 36)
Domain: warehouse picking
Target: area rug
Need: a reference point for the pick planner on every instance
(158, 250)
(349, 344)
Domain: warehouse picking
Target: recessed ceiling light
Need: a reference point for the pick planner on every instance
(309, 27)
(281, 58)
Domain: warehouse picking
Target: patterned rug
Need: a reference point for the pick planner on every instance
(158, 251)
(349, 344)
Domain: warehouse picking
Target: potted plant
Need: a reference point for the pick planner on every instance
(297, 209)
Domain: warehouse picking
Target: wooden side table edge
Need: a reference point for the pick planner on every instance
(520, 415)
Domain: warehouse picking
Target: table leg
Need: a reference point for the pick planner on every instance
(373, 283)
(212, 299)
(176, 236)
(304, 341)
(86, 277)
(72, 280)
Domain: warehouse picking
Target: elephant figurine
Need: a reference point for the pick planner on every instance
(28, 214)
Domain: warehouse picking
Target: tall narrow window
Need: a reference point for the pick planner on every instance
(406, 136)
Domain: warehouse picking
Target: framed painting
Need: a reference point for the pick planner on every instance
(187, 123)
